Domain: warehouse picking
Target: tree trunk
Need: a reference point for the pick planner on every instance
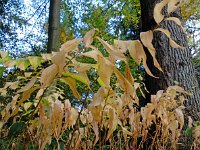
(176, 63)
(54, 26)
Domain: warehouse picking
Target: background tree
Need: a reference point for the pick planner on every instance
(54, 26)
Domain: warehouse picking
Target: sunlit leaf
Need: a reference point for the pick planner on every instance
(82, 77)
(72, 84)
(173, 5)
(70, 45)
(137, 53)
(113, 121)
(158, 16)
(59, 60)
(116, 54)
(35, 61)
(93, 54)
(176, 20)
(88, 38)
(146, 38)
(22, 63)
(48, 75)
(105, 70)
(28, 85)
(172, 42)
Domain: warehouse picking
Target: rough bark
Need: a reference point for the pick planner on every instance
(54, 26)
(176, 63)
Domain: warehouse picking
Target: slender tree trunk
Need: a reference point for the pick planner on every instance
(176, 63)
(54, 26)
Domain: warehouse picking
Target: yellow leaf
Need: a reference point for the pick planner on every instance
(158, 17)
(88, 38)
(96, 131)
(196, 132)
(180, 117)
(35, 61)
(59, 60)
(98, 97)
(28, 85)
(176, 20)
(48, 75)
(10, 63)
(113, 121)
(72, 84)
(146, 38)
(116, 54)
(57, 117)
(93, 54)
(105, 70)
(39, 93)
(167, 33)
(128, 74)
(173, 5)
(82, 77)
(121, 45)
(137, 53)
(126, 86)
(46, 56)
(22, 63)
(70, 45)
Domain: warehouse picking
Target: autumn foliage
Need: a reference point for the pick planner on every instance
(109, 116)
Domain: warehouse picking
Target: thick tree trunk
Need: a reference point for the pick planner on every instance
(176, 63)
(54, 26)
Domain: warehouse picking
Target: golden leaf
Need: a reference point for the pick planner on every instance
(88, 38)
(157, 14)
(176, 20)
(72, 84)
(70, 45)
(93, 54)
(146, 38)
(59, 60)
(137, 53)
(105, 70)
(173, 5)
(48, 75)
(180, 117)
(121, 45)
(116, 54)
(96, 131)
(28, 85)
(113, 121)
(172, 42)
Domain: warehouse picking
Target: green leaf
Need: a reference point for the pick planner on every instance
(16, 128)
(188, 132)
(1, 70)
(35, 61)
